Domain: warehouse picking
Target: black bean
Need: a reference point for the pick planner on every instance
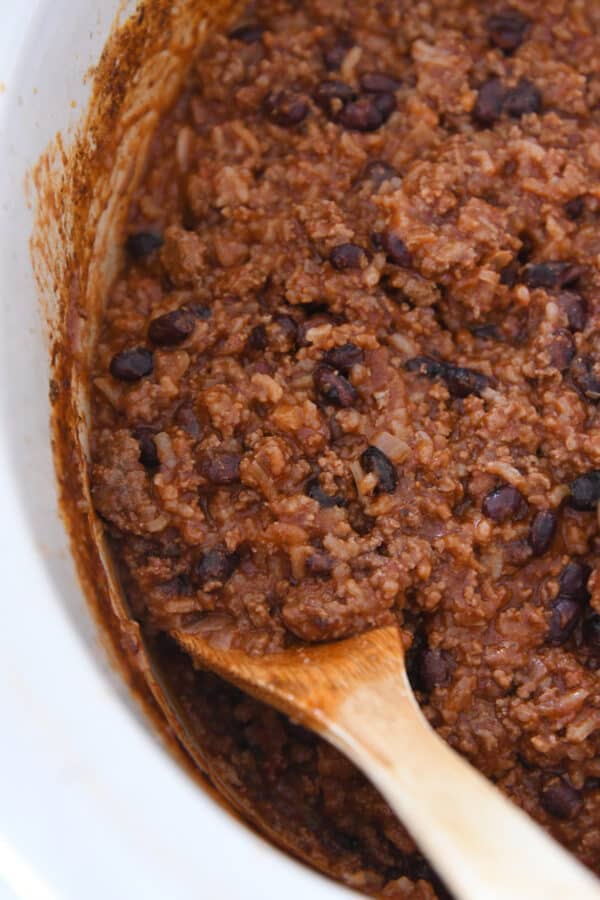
(285, 108)
(522, 100)
(505, 503)
(584, 491)
(214, 568)
(575, 208)
(433, 669)
(344, 357)
(551, 274)
(574, 307)
(200, 310)
(131, 365)
(376, 238)
(333, 55)
(427, 668)
(379, 171)
(172, 328)
(462, 382)
(257, 340)
(507, 29)
(332, 95)
(542, 530)
(186, 418)
(385, 104)
(248, 34)
(561, 800)
(347, 256)
(591, 631)
(334, 388)
(573, 581)
(374, 460)
(586, 377)
(561, 349)
(288, 327)
(426, 365)
(320, 565)
(378, 83)
(489, 103)
(510, 274)
(362, 114)
(314, 490)
(148, 452)
(486, 332)
(564, 617)
(396, 250)
(143, 243)
(220, 467)
(180, 586)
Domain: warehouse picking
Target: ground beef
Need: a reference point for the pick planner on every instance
(349, 373)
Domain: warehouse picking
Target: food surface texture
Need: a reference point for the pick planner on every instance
(349, 374)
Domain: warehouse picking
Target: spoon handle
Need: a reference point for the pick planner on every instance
(481, 844)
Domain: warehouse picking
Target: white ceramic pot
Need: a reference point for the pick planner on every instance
(92, 807)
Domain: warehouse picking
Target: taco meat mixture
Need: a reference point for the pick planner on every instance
(349, 374)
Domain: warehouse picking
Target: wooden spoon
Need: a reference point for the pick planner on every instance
(356, 694)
